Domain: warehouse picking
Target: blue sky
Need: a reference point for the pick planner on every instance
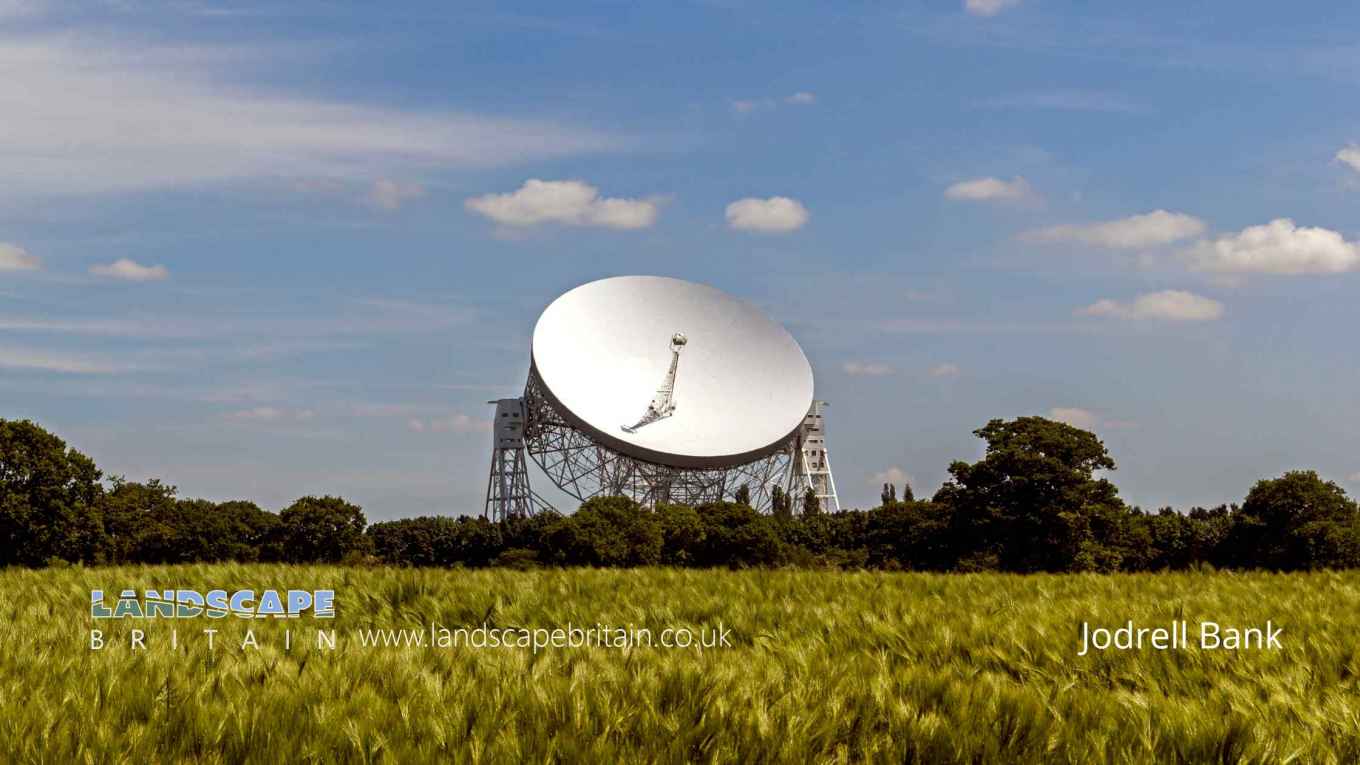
(264, 250)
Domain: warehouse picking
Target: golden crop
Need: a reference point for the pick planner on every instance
(825, 666)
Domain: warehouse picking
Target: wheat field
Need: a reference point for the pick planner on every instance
(823, 666)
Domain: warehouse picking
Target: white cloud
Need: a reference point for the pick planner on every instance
(388, 194)
(454, 423)
(893, 475)
(271, 414)
(749, 105)
(988, 7)
(1354, 477)
(990, 189)
(20, 358)
(131, 271)
(343, 321)
(1167, 305)
(1153, 229)
(866, 369)
(945, 370)
(745, 106)
(775, 215)
(573, 203)
(1277, 247)
(89, 114)
(257, 414)
(1351, 156)
(1077, 418)
(16, 258)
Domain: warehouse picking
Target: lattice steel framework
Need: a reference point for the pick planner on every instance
(507, 489)
(812, 463)
(583, 468)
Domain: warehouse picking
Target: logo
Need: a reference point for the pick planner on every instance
(214, 604)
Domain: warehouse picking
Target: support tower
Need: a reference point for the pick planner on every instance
(507, 490)
(811, 462)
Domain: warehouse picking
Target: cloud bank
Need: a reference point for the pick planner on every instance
(16, 258)
(1154, 229)
(45, 361)
(271, 414)
(1278, 247)
(1074, 416)
(776, 215)
(131, 271)
(454, 423)
(744, 106)
(387, 194)
(893, 475)
(991, 189)
(573, 203)
(988, 8)
(866, 369)
(1168, 305)
(1350, 156)
(90, 114)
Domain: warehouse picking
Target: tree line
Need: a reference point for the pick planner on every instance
(1036, 501)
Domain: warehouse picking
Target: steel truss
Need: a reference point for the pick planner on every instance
(812, 465)
(584, 469)
(507, 488)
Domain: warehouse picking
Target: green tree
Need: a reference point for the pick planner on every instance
(743, 495)
(319, 530)
(737, 535)
(820, 539)
(249, 528)
(1033, 503)
(811, 504)
(477, 543)
(682, 533)
(532, 532)
(48, 498)
(780, 505)
(609, 531)
(909, 535)
(139, 522)
(411, 541)
(1297, 521)
(207, 531)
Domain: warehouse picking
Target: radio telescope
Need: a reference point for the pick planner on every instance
(662, 390)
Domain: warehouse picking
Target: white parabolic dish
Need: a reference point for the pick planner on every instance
(743, 385)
